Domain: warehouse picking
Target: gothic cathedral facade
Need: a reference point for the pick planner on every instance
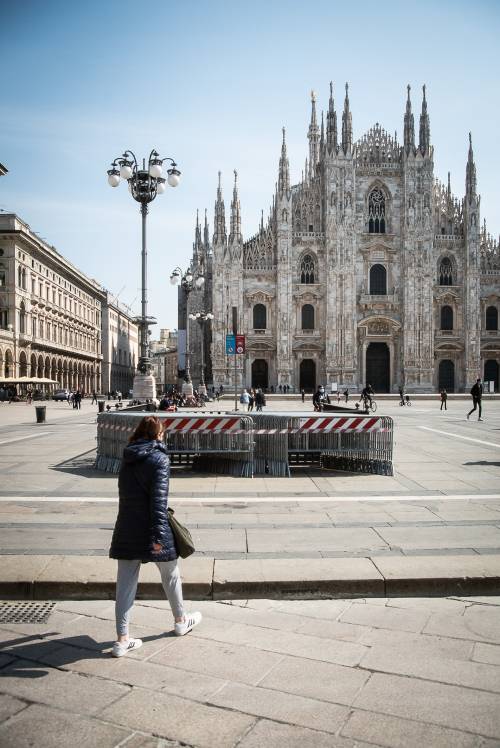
(367, 271)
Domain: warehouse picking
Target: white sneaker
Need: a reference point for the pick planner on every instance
(190, 621)
(123, 648)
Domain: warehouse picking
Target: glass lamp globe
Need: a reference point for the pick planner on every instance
(189, 277)
(200, 281)
(174, 278)
(160, 186)
(174, 178)
(113, 178)
(125, 170)
(155, 169)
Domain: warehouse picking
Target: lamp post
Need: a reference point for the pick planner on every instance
(189, 280)
(144, 184)
(202, 318)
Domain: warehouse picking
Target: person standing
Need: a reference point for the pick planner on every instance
(251, 400)
(444, 398)
(303, 394)
(260, 400)
(94, 397)
(477, 395)
(142, 532)
(346, 394)
(244, 400)
(29, 397)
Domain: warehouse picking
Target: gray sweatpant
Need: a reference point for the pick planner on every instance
(126, 588)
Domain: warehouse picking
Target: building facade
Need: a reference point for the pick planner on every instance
(50, 312)
(120, 346)
(164, 358)
(367, 270)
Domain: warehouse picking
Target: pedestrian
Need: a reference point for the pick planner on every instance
(346, 394)
(444, 398)
(402, 395)
(477, 394)
(94, 397)
(317, 398)
(29, 397)
(244, 400)
(260, 400)
(142, 532)
(303, 394)
(251, 400)
(280, 388)
(338, 397)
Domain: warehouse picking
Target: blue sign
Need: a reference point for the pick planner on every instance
(230, 345)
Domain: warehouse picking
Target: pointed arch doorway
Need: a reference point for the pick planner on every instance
(446, 375)
(307, 378)
(260, 373)
(378, 367)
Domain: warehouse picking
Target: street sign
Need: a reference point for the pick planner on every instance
(230, 345)
(240, 344)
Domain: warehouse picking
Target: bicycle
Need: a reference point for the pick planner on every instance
(370, 405)
(406, 401)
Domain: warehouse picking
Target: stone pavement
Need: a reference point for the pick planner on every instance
(397, 673)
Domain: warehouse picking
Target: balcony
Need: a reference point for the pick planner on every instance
(378, 300)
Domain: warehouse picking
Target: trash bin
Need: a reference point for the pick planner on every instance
(40, 411)
(101, 404)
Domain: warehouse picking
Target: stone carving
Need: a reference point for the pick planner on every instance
(378, 328)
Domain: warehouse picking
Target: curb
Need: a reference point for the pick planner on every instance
(93, 578)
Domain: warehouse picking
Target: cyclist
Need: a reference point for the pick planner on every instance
(366, 396)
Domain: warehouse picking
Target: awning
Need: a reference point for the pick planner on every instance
(27, 380)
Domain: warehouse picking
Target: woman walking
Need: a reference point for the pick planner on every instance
(142, 532)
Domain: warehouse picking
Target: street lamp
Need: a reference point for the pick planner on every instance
(144, 184)
(189, 280)
(202, 318)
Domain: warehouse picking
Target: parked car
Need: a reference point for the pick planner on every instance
(60, 395)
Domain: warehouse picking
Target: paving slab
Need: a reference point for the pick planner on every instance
(450, 706)
(179, 719)
(44, 727)
(327, 577)
(394, 732)
(379, 616)
(267, 733)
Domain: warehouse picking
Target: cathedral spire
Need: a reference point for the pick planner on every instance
(322, 136)
(206, 239)
(470, 174)
(424, 140)
(197, 246)
(331, 122)
(313, 135)
(235, 222)
(409, 126)
(219, 218)
(284, 169)
(346, 123)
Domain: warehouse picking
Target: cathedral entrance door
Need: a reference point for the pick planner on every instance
(378, 367)
(260, 373)
(307, 379)
(491, 372)
(446, 375)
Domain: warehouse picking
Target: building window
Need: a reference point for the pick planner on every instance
(4, 319)
(445, 272)
(378, 280)
(259, 317)
(308, 317)
(376, 212)
(492, 318)
(33, 326)
(307, 270)
(22, 318)
(3, 275)
(446, 318)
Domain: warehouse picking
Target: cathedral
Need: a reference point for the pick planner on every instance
(369, 270)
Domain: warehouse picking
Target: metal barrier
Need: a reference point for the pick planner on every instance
(352, 443)
(258, 443)
(222, 443)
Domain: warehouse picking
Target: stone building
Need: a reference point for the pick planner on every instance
(120, 346)
(367, 270)
(50, 312)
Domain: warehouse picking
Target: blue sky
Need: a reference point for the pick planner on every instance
(212, 83)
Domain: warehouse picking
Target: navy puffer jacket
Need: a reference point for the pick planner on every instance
(142, 514)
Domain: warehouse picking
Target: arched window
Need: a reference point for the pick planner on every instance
(259, 317)
(492, 318)
(445, 272)
(307, 270)
(19, 276)
(446, 318)
(376, 212)
(378, 280)
(22, 318)
(308, 317)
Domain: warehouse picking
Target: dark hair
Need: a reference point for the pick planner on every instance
(149, 427)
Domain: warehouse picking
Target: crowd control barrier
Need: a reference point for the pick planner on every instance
(258, 443)
(218, 443)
